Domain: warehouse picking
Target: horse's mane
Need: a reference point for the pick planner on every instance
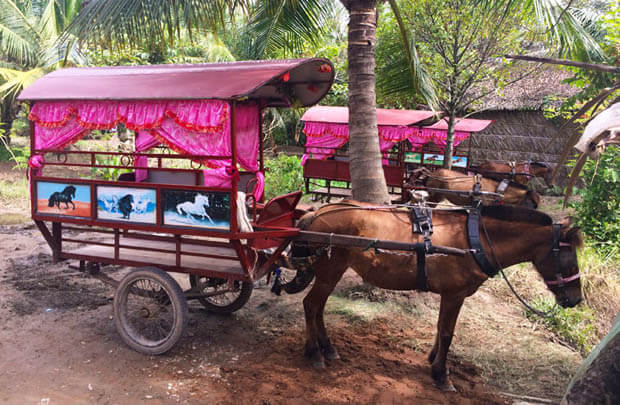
(516, 214)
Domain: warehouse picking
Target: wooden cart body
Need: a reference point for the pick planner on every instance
(213, 251)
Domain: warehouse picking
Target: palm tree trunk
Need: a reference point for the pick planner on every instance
(367, 179)
(6, 122)
(448, 152)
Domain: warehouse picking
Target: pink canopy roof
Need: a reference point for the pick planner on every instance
(275, 82)
(340, 115)
(462, 125)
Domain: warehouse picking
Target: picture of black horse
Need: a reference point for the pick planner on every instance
(125, 205)
(65, 196)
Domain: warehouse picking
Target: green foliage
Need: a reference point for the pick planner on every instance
(598, 212)
(16, 154)
(574, 325)
(284, 175)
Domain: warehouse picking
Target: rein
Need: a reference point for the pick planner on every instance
(555, 251)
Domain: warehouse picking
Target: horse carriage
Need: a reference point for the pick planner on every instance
(408, 140)
(196, 206)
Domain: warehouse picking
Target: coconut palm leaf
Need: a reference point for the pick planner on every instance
(283, 26)
(146, 22)
(565, 29)
(18, 38)
(14, 81)
(404, 72)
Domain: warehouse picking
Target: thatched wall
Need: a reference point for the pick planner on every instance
(516, 136)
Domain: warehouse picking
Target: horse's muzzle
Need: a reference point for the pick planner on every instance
(567, 302)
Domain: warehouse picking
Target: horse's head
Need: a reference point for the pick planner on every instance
(70, 190)
(202, 199)
(540, 169)
(531, 199)
(558, 264)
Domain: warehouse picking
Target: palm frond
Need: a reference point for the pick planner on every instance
(282, 27)
(418, 80)
(15, 81)
(144, 22)
(565, 30)
(18, 38)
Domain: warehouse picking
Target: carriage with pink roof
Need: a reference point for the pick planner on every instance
(191, 195)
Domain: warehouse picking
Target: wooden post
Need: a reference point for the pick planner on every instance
(233, 147)
(57, 238)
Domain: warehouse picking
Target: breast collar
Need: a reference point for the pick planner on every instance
(475, 244)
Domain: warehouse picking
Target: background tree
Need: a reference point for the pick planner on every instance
(28, 34)
(462, 42)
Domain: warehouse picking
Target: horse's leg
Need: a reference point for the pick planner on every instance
(329, 351)
(71, 204)
(448, 313)
(327, 274)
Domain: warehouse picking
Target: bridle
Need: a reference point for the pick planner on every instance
(559, 281)
(490, 269)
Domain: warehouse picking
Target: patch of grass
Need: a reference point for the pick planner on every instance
(575, 326)
(579, 327)
(13, 219)
(14, 192)
(355, 311)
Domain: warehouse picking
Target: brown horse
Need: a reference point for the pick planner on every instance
(515, 235)
(520, 172)
(516, 194)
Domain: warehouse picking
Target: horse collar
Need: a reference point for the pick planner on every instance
(473, 237)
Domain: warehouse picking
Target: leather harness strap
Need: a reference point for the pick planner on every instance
(475, 243)
(422, 223)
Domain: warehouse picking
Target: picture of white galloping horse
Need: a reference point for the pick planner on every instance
(198, 208)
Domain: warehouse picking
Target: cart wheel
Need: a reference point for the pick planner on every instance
(224, 303)
(150, 311)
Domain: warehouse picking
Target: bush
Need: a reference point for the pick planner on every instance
(573, 325)
(598, 212)
(284, 175)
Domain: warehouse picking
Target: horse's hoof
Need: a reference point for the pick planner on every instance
(318, 365)
(332, 354)
(445, 386)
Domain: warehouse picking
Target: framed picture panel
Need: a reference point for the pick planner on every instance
(127, 204)
(63, 199)
(200, 209)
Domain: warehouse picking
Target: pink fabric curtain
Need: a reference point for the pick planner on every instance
(58, 137)
(144, 142)
(437, 136)
(322, 139)
(198, 127)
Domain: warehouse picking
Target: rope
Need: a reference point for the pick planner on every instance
(545, 315)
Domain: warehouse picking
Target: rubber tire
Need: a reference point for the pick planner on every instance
(177, 301)
(237, 304)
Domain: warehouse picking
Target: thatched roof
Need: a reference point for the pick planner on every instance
(541, 88)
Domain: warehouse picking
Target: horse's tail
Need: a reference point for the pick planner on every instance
(301, 258)
(51, 200)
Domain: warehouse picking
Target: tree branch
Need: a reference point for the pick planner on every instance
(564, 62)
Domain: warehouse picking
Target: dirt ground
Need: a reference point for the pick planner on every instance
(58, 345)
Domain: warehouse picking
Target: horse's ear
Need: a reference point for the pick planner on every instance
(572, 235)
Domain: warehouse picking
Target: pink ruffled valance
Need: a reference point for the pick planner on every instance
(196, 127)
(197, 115)
(190, 142)
(322, 139)
(437, 136)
